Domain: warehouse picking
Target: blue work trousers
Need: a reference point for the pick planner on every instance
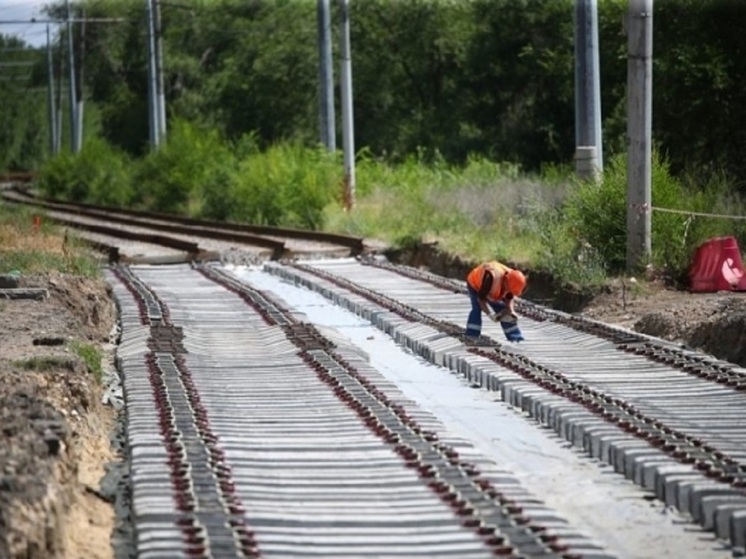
(474, 321)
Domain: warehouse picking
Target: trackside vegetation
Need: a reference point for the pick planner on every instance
(548, 221)
(29, 245)
(463, 112)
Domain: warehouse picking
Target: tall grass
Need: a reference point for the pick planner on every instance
(593, 220)
(29, 249)
(480, 210)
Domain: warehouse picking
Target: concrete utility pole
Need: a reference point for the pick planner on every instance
(74, 144)
(326, 78)
(60, 89)
(53, 147)
(79, 111)
(160, 91)
(588, 135)
(75, 85)
(639, 131)
(348, 138)
(152, 79)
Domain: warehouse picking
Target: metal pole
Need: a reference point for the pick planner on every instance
(589, 162)
(73, 102)
(79, 89)
(348, 139)
(161, 94)
(326, 78)
(60, 89)
(639, 127)
(152, 102)
(52, 110)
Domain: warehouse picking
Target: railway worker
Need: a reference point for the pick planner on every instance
(493, 288)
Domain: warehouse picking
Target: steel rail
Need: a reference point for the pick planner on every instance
(209, 514)
(491, 513)
(683, 448)
(685, 471)
(137, 219)
(212, 458)
(192, 249)
(355, 244)
(707, 368)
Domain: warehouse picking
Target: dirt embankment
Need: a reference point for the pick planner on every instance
(54, 430)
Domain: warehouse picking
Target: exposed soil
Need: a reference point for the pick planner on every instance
(714, 323)
(54, 430)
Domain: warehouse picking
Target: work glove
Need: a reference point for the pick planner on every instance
(506, 316)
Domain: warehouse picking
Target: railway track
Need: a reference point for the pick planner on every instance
(254, 431)
(282, 441)
(184, 239)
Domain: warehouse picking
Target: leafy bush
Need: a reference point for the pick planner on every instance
(99, 174)
(594, 219)
(187, 174)
(568, 258)
(286, 184)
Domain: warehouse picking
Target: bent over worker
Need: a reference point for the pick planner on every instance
(493, 288)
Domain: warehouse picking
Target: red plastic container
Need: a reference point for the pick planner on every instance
(717, 266)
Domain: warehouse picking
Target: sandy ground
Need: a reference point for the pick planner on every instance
(714, 323)
(55, 437)
(90, 519)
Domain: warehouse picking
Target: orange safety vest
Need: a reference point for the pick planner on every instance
(498, 271)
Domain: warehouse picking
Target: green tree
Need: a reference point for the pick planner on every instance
(24, 129)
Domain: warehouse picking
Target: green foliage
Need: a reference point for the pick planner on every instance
(91, 356)
(276, 44)
(432, 78)
(595, 217)
(592, 223)
(571, 260)
(45, 364)
(23, 131)
(30, 251)
(410, 67)
(482, 209)
(98, 174)
(699, 80)
(187, 174)
(286, 184)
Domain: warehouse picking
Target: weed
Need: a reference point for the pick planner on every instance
(33, 246)
(91, 356)
(46, 364)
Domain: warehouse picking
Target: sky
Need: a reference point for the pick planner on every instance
(23, 10)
